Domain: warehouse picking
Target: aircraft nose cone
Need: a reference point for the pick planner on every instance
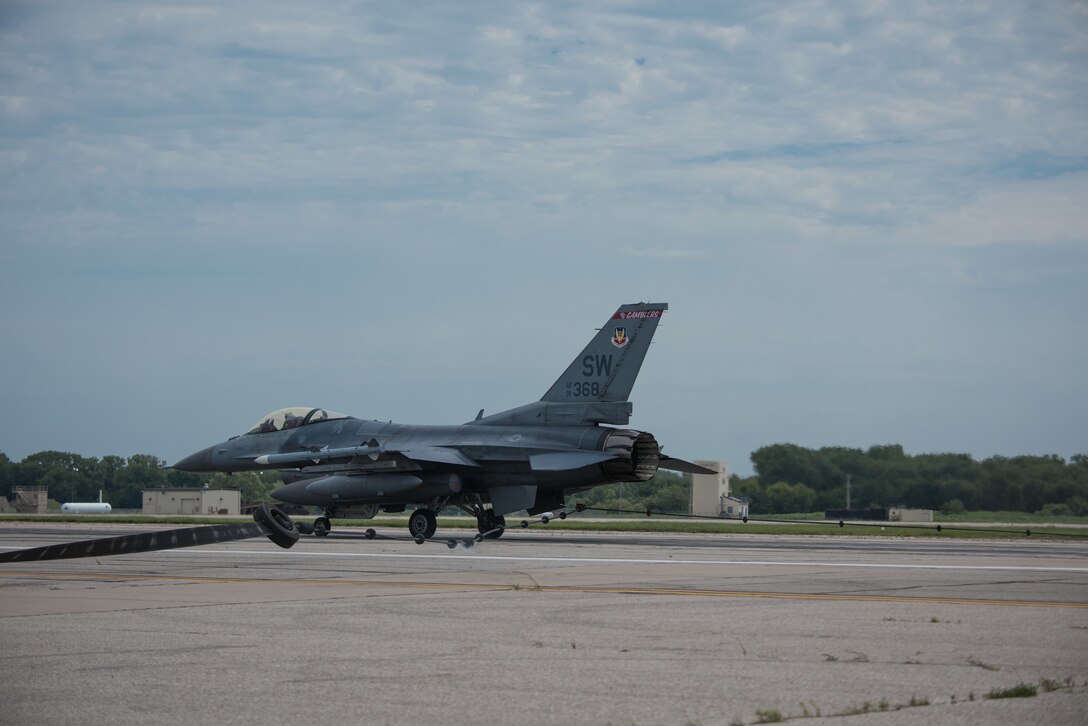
(200, 461)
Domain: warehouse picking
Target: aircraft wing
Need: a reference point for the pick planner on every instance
(440, 455)
(674, 464)
(564, 460)
(555, 461)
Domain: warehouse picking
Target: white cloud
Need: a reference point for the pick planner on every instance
(666, 253)
(1050, 211)
(759, 156)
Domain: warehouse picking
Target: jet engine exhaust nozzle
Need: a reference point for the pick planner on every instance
(639, 456)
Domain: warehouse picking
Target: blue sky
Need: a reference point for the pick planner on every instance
(869, 219)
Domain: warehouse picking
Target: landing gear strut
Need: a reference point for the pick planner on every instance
(489, 524)
(422, 523)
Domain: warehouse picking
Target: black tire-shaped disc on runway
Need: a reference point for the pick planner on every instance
(278, 526)
(270, 522)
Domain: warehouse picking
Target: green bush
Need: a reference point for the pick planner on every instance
(953, 506)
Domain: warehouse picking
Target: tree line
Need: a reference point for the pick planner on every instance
(788, 478)
(665, 492)
(74, 478)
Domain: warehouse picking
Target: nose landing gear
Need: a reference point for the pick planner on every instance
(321, 526)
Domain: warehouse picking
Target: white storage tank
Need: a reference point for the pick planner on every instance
(86, 508)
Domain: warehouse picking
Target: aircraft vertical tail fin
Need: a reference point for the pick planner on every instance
(596, 385)
(606, 369)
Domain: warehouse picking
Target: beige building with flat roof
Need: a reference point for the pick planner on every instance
(710, 493)
(192, 501)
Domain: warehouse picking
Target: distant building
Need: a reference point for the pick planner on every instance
(192, 501)
(734, 508)
(31, 500)
(710, 495)
(898, 514)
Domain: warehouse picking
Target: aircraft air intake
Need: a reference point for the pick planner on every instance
(639, 456)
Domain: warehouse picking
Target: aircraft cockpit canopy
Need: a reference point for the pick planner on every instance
(289, 418)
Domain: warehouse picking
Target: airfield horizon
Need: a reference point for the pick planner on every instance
(659, 523)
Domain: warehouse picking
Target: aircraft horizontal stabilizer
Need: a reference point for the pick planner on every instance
(564, 460)
(674, 464)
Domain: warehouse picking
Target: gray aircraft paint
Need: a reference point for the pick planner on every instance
(524, 458)
(606, 369)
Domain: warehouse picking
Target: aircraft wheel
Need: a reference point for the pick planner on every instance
(423, 523)
(489, 521)
(277, 526)
(322, 527)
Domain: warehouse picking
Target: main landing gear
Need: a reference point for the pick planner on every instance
(489, 524)
(423, 523)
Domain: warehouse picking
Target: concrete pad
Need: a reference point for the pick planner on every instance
(552, 629)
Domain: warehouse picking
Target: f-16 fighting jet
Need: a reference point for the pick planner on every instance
(528, 457)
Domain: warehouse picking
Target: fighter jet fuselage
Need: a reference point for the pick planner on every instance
(415, 464)
(527, 458)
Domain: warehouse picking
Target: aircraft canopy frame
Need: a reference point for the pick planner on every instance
(293, 417)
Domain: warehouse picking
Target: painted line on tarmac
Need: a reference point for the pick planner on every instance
(576, 589)
(468, 555)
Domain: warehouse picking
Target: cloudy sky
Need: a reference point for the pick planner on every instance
(870, 220)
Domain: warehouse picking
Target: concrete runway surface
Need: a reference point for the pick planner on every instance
(545, 628)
